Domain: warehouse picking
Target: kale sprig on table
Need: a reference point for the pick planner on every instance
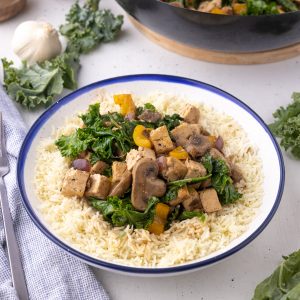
(39, 84)
(287, 126)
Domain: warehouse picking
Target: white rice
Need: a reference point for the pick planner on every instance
(78, 224)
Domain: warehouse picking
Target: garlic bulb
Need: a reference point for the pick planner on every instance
(35, 41)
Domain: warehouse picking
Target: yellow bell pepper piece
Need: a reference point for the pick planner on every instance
(212, 139)
(156, 228)
(126, 103)
(218, 11)
(162, 210)
(141, 136)
(179, 153)
(239, 8)
(160, 218)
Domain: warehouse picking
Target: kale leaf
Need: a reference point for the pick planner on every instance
(108, 137)
(287, 126)
(284, 283)
(191, 214)
(261, 7)
(183, 182)
(171, 194)
(39, 84)
(87, 26)
(171, 121)
(120, 212)
(221, 180)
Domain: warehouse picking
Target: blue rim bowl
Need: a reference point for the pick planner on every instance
(123, 268)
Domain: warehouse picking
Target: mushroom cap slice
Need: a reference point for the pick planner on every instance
(145, 183)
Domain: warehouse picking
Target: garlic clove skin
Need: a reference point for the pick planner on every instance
(35, 41)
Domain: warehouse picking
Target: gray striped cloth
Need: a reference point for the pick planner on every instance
(50, 272)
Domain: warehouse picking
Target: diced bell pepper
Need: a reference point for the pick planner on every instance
(141, 136)
(125, 102)
(179, 153)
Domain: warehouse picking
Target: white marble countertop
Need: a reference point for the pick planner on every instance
(262, 87)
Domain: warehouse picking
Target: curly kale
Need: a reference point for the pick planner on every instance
(221, 180)
(120, 212)
(39, 84)
(87, 26)
(287, 126)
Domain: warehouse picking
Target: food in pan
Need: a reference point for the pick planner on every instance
(238, 7)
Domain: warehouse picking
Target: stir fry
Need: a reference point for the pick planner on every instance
(141, 168)
(239, 7)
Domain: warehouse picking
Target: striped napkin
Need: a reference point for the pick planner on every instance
(50, 272)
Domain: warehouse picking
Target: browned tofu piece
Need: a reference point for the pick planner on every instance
(206, 183)
(209, 200)
(118, 170)
(74, 183)
(173, 169)
(216, 154)
(192, 203)
(121, 179)
(148, 153)
(161, 140)
(133, 156)
(183, 132)
(194, 169)
(99, 186)
(191, 115)
(99, 167)
(182, 195)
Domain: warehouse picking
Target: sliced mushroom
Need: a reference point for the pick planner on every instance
(145, 183)
(150, 116)
(189, 136)
(183, 132)
(198, 145)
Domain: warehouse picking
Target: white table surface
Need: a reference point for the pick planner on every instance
(263, 87)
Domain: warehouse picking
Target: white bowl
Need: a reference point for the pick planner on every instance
(257, 130)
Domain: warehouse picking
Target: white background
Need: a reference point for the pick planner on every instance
(262, 87)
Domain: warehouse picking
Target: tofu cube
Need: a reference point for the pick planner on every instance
(161, 140)
(209, 200)
(182, 195)
(99, 186)
(192, 203)
(191, 115)
(118, 170)
(74, 183)
(99, 167)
